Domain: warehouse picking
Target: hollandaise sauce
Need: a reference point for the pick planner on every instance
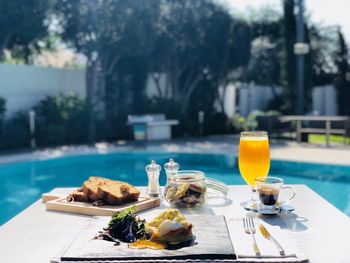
(141, 244)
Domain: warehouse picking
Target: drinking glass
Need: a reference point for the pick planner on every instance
(253, 159)
(269, 189)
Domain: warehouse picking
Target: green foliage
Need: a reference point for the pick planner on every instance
(61, 120)
(194, 42)
(268, 121)
(217, 123)
(107, 28)
(199, 43)
(126, 227)
(23, 24)
(15, 132)
(245, 124)
(275, 104)
(323, 42)
(169, 107)
(238, 122)
(265, 121)
(251, 123)
(2, 113)
(109, 33)
(264, 63)
(2, 109)
(321, 139)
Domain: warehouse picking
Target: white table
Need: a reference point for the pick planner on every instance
(35, 235)
(151, 126)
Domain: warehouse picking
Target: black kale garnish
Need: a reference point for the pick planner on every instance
(125, 226)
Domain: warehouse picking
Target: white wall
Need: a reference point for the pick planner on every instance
(23, 86)
(324, 100)
(230, 100)
(254, 97)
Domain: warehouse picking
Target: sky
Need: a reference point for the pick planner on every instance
(326, 12)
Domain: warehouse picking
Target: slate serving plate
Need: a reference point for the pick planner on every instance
(212, 241)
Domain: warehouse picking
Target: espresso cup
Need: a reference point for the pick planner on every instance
(269, 189)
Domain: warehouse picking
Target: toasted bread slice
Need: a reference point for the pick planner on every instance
(78, 196)
(117, 193)
(91, 185)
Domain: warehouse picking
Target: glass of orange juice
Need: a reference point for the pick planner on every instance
(253, 159)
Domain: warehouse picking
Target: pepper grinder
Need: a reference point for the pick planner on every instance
(153, 172)
(171, 169)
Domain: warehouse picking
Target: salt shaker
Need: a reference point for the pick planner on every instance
(171, 169)
(153, 172)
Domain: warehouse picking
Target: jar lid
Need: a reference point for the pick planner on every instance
(189, 176)
(216, 188)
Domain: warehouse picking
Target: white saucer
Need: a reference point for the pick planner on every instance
(274, 210)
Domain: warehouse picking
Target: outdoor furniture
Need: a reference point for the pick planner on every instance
(273, 125)
(327, 129)
(36, 235)
(151, 127)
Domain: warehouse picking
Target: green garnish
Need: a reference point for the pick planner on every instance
(126, 227)
(122, 214)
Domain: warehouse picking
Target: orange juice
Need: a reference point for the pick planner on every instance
(254, 158)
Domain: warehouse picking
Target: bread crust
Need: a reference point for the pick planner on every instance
(117, 193)
(109, 191)
(78, 196)
(90, 187)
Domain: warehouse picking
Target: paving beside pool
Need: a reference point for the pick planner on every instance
(227, 144)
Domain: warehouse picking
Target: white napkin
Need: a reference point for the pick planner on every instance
(243, 243)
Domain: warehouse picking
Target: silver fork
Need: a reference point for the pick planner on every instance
(249, 228)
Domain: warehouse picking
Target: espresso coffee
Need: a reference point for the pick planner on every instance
(268, 195)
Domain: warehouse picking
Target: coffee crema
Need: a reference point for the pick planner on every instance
(268, 195)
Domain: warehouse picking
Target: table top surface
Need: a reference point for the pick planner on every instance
(36, 235)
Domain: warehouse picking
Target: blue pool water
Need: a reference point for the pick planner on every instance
(23, 183)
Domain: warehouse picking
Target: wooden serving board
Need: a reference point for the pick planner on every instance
(58, 202)
(212, 242)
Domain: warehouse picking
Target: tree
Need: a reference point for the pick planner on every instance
(323, 45)
(231, 57)
(342, 81)
(22, 25)
(61, 120)
(264, 63)
(198, 41)
(105, 32)
(179, 47)
(2, 112)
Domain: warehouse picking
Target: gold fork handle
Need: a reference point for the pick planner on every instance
(255, 246)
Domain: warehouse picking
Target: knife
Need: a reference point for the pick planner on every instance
(266, 234)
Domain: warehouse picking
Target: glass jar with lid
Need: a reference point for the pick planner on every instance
(186, 189)
(191, 188)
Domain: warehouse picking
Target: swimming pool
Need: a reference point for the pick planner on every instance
(23, 183)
